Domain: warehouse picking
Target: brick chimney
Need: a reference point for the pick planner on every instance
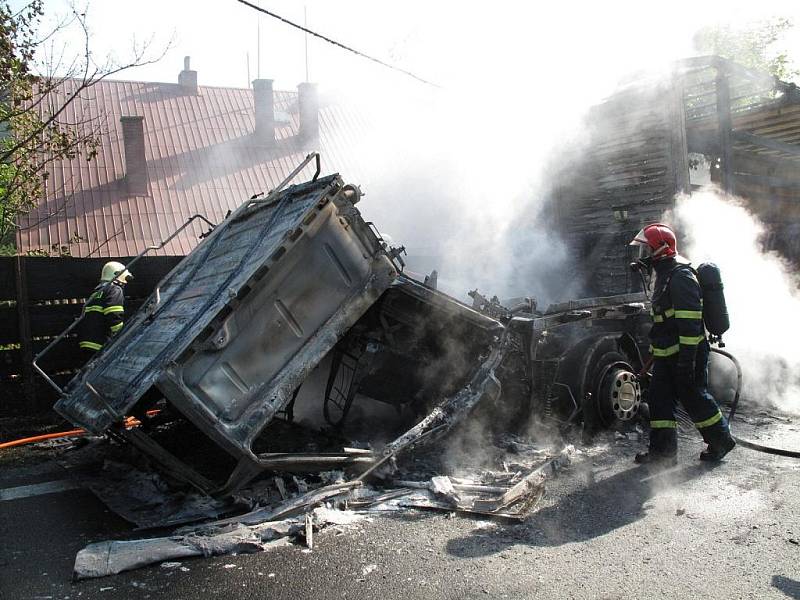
(308, 103)
(135, 163)
(187, 78)
(265, 111)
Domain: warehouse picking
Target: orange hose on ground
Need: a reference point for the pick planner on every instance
(41, 438)
(129, 422)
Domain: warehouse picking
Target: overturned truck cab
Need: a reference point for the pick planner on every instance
(297, 278)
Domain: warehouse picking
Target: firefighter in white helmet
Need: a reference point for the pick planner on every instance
(104, 311)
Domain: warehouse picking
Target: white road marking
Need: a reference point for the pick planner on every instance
(39, 489)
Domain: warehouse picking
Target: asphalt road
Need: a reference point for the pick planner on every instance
(606, 529)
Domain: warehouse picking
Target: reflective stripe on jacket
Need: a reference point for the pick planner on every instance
(677, 312)
(103, 316)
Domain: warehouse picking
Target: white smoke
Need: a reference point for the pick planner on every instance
(760, 289)
(457, 173)
(463, 185)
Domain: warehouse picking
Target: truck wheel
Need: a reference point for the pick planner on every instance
(616, 393)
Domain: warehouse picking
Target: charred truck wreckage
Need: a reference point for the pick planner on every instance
(297, 281)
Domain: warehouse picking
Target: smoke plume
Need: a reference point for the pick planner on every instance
(760, 289)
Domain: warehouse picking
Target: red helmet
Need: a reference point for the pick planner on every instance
(659, 238)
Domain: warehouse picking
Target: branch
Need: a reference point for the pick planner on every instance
(84, 84)
(120, 230)
(67, 199)
(34, 107)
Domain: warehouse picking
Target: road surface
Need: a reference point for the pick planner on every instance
(606, 529)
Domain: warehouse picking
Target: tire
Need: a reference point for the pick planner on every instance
(612, 391)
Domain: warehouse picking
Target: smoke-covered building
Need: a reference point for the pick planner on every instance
(168, 151)
(710, 121)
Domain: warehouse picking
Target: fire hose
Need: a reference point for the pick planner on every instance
(734, 405)
(129, 423)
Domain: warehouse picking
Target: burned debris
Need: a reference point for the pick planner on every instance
(295, 311)
(508, 495)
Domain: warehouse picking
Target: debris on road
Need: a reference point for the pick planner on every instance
(145, 499)
(111, 557)
(514, 500)
(281, 487)
(442, 487)
(309, 531)
(504, 495)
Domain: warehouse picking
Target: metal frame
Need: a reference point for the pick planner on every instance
(236, 214)
(341, 397)
(74, 324)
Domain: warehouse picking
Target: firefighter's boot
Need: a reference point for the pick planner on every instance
(717, 435)
(656, 459)
(716, 452)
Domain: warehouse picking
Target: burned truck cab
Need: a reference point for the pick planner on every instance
(414, 346)
(573, 362)
(234, 329)
(296, 282)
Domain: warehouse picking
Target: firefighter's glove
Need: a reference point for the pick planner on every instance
(684, 371)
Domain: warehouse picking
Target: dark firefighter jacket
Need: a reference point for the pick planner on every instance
(677, 311)
(103, 318)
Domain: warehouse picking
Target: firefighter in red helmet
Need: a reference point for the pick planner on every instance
(680, 353)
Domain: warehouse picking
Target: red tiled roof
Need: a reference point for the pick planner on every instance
(202, 157)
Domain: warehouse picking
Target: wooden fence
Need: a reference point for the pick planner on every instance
(39, 298)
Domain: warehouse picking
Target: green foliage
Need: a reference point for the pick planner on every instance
(31, 135)
(756, 46)
(17, 48)
(36, 88)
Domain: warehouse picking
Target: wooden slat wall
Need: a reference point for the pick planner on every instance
(52, 296)
(635, 159)
(771, 185)
(766, 175)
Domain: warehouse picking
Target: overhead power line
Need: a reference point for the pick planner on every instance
(335, 43)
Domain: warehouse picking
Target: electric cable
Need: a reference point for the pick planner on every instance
(338, 44)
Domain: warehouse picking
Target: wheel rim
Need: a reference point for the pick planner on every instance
(621, 392)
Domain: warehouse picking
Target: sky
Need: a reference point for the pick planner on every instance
(448, 42)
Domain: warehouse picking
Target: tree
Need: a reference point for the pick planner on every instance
(39, 81)
(756, 46)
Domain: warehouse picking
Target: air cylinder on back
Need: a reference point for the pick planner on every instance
(715, 310)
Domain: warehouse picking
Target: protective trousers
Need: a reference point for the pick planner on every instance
(666, 389)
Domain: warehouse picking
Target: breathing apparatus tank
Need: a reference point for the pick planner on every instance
(715, 310)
